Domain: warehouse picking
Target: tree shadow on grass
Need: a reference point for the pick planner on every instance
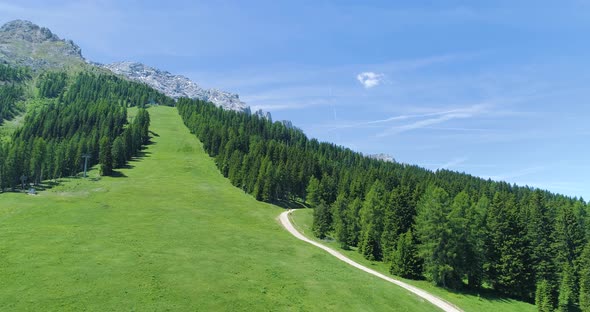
(118, 174)
(141, 155)
(43, 186)
(290, 204)
(487, 294)
(127, 166)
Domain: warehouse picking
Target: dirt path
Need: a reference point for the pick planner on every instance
(445, 306)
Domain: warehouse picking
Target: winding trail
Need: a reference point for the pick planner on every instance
(445, 306)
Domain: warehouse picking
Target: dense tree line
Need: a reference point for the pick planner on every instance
(454, 229)
(11, 89)
(14, 74)
(9, 96)
(88, 117)
(52, 84)
(91, 88)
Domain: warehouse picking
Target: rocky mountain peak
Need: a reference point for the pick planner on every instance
(24, 43)
(27, 31)
(176, 86)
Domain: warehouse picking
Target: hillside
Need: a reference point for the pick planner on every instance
(169, 234)
(482, 301)
(455, 230)
(157, 226)
(26, 44)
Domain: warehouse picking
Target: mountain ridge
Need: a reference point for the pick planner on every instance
(175, 86)
(24, 43)
(27, 44)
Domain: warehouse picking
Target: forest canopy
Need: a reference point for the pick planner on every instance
(81, 115)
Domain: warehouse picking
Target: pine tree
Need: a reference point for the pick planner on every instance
(105, 157)
(313, 192)
(371, 216)
(406, 262)
(327, 189)
(369, 245)
(570, 237)
(268, 178)
(476, 219)
(567, 300)
(399, 218)
(433, 233)
(539, 225)
(508, 266)
(353, 215)
(585, 280)
(543, 297)
(37, 159)
(460, 250)
(340, 220)
(321, 220)
(118, 153)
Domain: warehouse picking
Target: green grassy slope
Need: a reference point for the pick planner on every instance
(7, 127)
(169, 234)
(484, 302)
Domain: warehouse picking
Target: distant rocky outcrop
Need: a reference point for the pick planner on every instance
(382, 156)
(26, 44)
(176, 86)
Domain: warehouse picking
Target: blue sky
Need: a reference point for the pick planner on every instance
(496, 89)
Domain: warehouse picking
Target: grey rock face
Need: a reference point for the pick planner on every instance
(27, 31)
(382, 156)
(176, 86)
(24, 43)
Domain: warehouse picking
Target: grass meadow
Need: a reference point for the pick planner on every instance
(169, 233)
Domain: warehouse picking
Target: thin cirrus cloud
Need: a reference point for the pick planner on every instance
(369, 79)
(417, 121)
(453, 163)
(437, 118)
(517, 174)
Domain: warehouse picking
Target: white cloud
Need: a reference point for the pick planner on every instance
(369, 79)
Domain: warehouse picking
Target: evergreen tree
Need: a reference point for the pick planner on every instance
(460, 251)
(585, 280)
(399, 218)
(321, 220)
(371, 216)
(327, 189)
(476, 219)
(406, 262)
(433, 232)
(313, 192)
(341, 222)
(543, 297)
(353, 215)
(105, 159)
(508, 266)
(37, 160)
(539, 224)
(569, 237)
(567, 298)
(118, 153)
